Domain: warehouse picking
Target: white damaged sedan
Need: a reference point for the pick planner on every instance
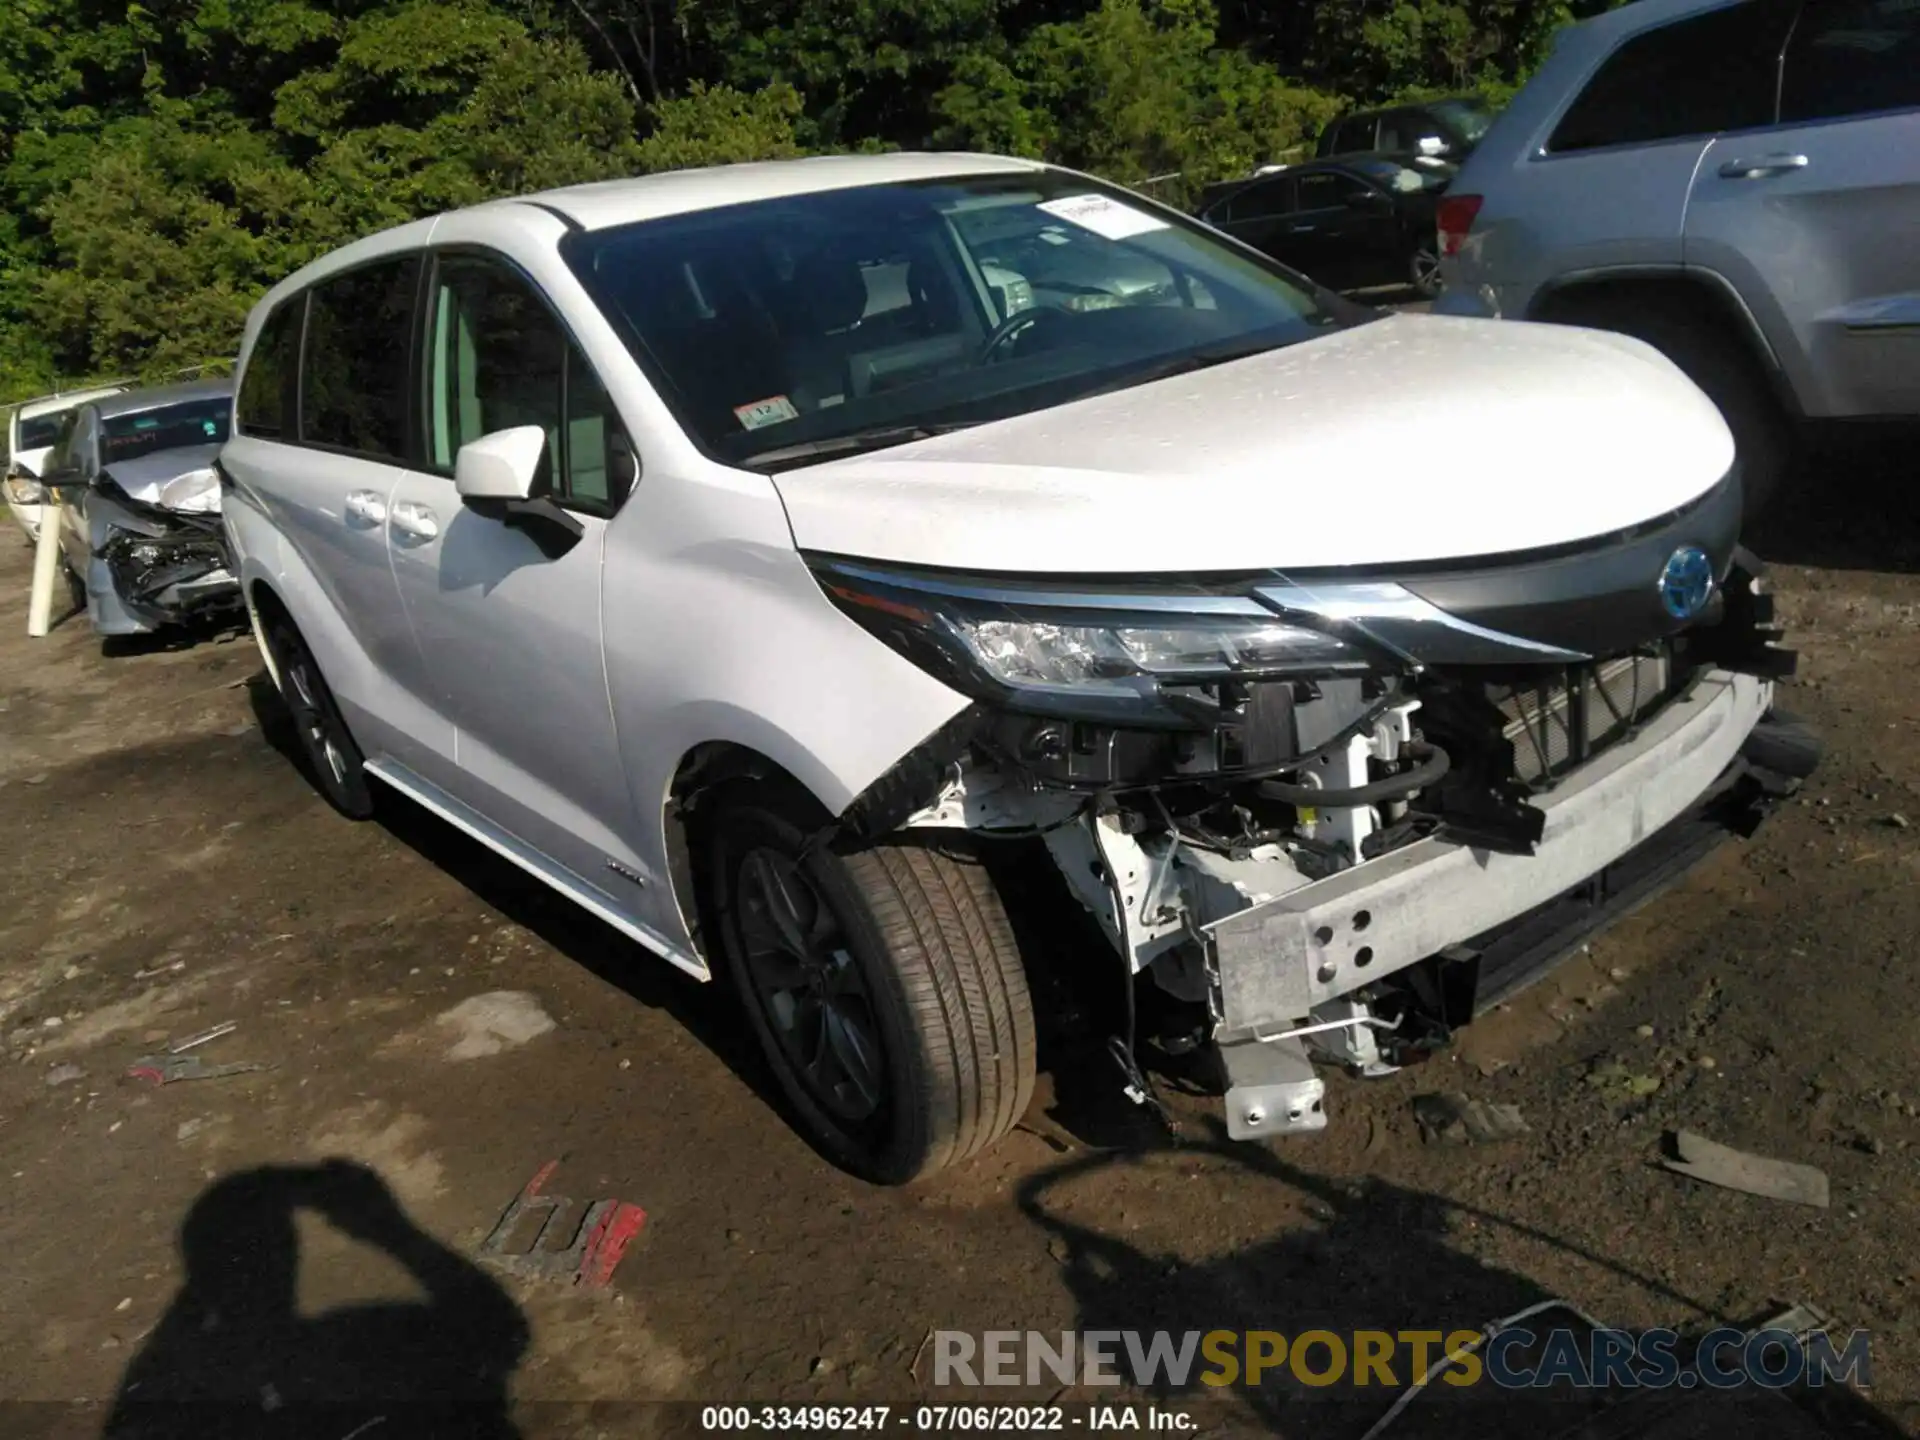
(141, 530)
(759, 555)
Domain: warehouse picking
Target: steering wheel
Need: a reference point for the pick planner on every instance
(1000, 342)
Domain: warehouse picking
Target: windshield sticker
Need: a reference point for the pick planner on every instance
(774, 410)
(1106, 218)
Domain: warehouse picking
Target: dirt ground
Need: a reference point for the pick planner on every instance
(167, 869)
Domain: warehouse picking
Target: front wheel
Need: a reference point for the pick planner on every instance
(883, 984)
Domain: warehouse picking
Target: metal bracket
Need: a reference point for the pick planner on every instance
(1272, 1090)
(1116, 877)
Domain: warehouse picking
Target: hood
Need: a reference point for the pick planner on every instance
(1414, 438)
(179, 479)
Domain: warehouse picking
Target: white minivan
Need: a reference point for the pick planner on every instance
(763, 558)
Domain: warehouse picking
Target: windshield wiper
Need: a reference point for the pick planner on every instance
(856, 442)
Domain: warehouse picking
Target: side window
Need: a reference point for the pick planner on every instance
(267, 391)
(1400, 131)
(1698, 76)
(498, 358)
(1355, 134)
(592, 436)
(1852, 57)
(1326, 190)
(353, 376)
(1262, 201)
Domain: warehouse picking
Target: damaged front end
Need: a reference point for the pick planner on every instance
(1336, 813)
(160, 561)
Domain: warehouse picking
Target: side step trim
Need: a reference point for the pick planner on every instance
(535, 862)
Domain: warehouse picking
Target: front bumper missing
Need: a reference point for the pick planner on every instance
(141, 581)
(1652, 802)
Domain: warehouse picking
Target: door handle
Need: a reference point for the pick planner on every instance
(369, 507)
(415, 521)
(1301, 229)
(1764, 166)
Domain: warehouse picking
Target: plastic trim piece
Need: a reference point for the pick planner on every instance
(588, 897)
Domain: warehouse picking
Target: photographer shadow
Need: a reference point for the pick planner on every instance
(234, 1357)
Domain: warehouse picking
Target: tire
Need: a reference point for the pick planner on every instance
(333, 761)
(904, 1042)
(1716, 360)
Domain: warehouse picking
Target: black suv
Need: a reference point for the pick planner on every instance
(1449, 127)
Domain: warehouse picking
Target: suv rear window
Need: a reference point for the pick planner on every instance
(265, 407)
(1697, 76)
(1470, 119)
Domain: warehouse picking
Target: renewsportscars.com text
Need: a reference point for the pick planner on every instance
(1516, 1358)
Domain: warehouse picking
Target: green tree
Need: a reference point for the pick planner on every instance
(1135, 90)
(182, 219)
(718, 125)
(865, 69)
(161, 162)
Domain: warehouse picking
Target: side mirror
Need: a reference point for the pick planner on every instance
(495, 476)
(1433, 145)
(500, 466)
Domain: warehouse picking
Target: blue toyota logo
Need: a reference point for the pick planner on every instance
(1686, 584)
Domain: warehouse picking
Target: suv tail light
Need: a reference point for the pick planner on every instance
(1455, 219)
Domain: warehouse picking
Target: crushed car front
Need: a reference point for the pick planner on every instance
(156, 550)
(1346, 665)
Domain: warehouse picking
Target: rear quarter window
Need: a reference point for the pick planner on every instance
(265, 407)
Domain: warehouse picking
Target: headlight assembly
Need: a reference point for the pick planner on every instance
(1121, 657)
(1031, 652)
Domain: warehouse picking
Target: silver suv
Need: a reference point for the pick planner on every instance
(1738, 184)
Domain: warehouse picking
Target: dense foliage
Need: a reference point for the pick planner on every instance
(163, 162)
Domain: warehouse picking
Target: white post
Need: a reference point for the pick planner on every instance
(46, 566)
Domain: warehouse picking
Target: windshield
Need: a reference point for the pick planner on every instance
(1469, 118)
(168, 427)
(38, 431)
(853, 319)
